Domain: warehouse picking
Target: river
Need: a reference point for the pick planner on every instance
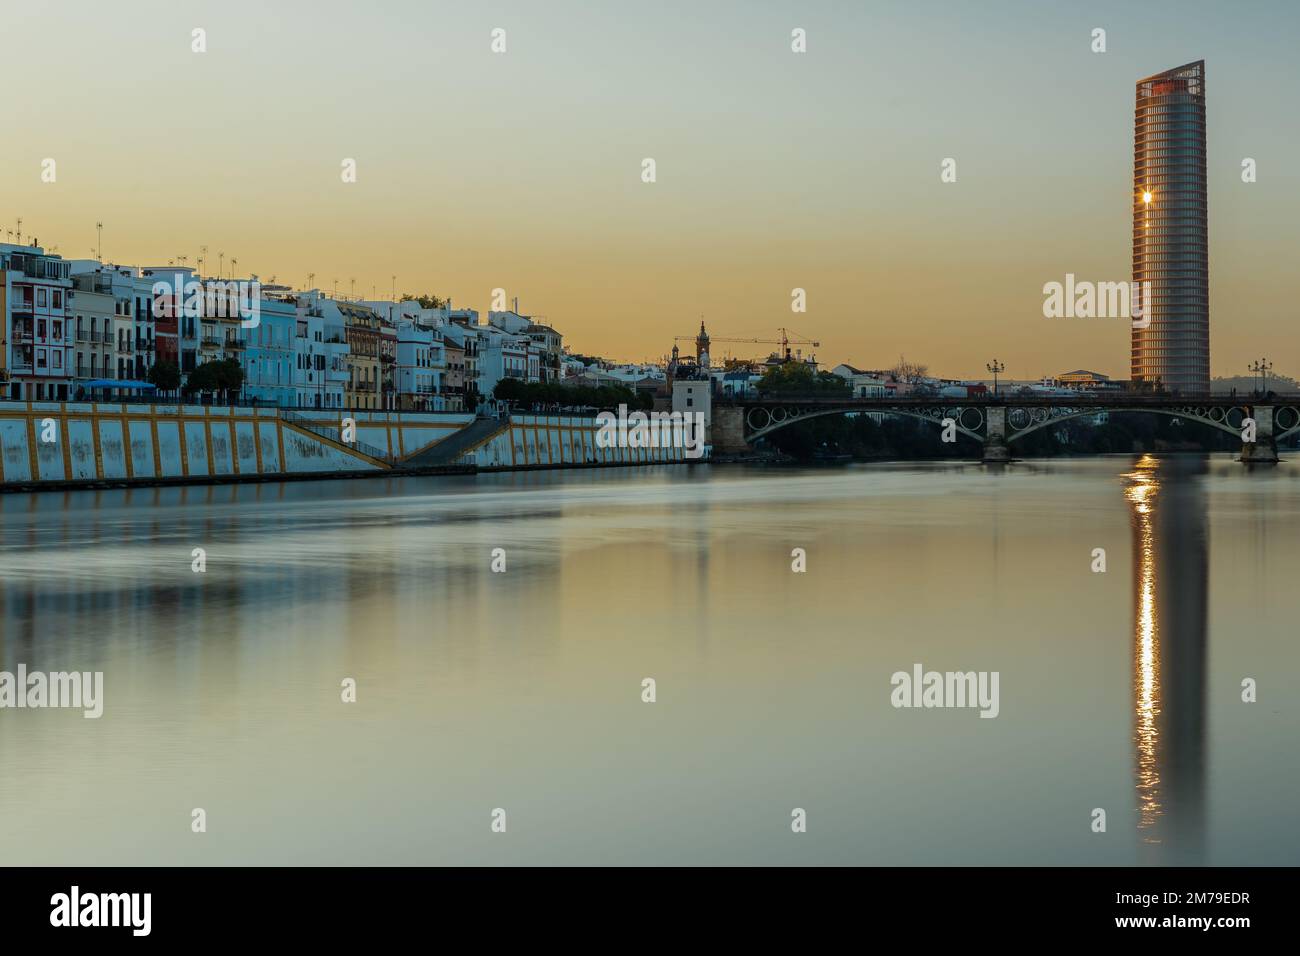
(521, 690)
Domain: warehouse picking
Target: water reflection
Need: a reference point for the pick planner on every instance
(1170, 582)
(522, 689)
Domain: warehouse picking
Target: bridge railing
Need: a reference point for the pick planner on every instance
(1082, 399)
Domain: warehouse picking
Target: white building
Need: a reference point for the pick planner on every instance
(37, 346)
(502, 355)
(546, 344)
(865, 384)
(321, 353)
(418, 372)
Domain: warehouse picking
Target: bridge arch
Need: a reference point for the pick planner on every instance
(793, 415)
(1202, 415)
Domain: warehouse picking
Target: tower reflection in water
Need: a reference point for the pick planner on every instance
(1170, 581)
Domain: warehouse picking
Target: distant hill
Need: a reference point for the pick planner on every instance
(1245, 384)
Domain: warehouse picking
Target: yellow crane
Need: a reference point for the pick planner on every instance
(784, 341)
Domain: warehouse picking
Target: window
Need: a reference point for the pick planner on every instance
(40, 358)
(57, 298)
(40, 298)
(40, 328)
(58, 358)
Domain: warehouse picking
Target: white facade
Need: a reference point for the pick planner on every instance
(320, 353)
(694, 396)
(864, 384)
(501, 355)
(38, 343)
(420, 366)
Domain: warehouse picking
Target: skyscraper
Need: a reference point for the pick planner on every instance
(1170, 232)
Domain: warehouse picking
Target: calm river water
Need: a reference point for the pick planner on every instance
(522, 690)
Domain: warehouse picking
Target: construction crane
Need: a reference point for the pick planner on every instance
(784, 341)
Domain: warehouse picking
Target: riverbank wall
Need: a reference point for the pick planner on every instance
(82, 444)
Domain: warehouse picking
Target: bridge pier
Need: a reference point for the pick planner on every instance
(995, 435)
(1263, 450)
(727, 431)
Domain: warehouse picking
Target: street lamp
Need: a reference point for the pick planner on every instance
(1262, 368)
(995, 367)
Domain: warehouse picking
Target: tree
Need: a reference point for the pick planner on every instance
(528, 394)
(202, 379)
(908, 372)
(165, 376)
(425, 301)
(229, 377)
(223, 376)
(801, 378)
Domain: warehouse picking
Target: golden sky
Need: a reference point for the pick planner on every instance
(775, 170)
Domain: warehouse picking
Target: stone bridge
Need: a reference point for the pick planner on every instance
(998, 422)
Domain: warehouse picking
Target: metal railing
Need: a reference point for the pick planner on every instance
(324, 431)
(1006, 397)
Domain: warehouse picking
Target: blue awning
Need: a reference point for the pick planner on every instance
(117, 383)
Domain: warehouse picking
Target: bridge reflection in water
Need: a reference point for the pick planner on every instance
(1170, 582)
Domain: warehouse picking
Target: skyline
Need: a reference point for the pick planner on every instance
(749, 203)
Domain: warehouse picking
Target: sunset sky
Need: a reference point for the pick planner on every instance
(775, 170)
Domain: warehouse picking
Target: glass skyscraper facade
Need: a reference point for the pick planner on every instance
(1170, 232)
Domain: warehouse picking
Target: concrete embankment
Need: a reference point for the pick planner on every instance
(52, 445)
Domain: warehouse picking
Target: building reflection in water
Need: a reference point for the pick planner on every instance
(1170, 582)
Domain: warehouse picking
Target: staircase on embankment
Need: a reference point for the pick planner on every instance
(331, 435)
(451, 449)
